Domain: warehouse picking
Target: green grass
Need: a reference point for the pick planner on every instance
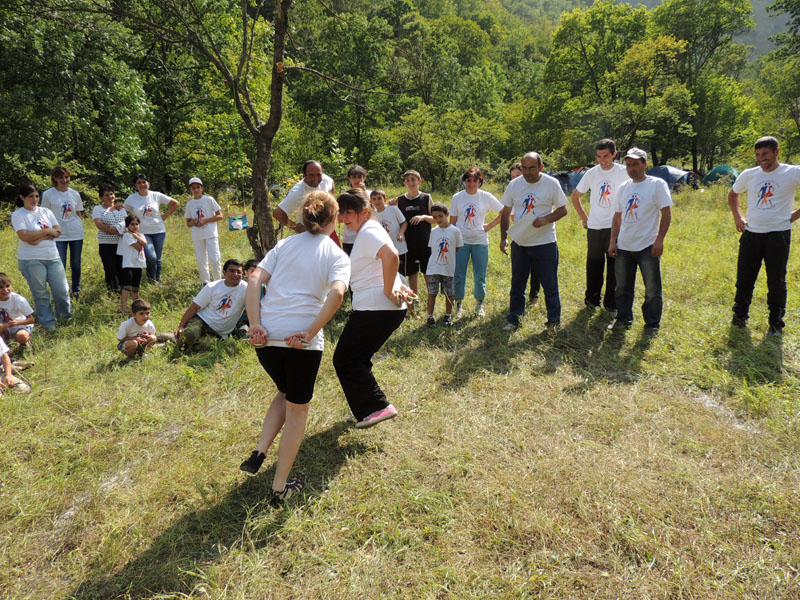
(575, 464)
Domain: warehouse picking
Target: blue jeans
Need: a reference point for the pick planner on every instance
(152, 253)
(75, 251)
(544, 260)
(38, 273)
(480, 262)
(625, 270)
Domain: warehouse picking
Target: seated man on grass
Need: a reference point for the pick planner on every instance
(216, 309)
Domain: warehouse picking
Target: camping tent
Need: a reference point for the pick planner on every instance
(674, 176)
(721, 174)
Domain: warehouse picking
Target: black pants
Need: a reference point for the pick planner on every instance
(363, 335)
(598, 261)
(773, 249)
(112, 265)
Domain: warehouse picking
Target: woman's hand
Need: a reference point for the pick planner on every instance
(298, 341)
(257, 335)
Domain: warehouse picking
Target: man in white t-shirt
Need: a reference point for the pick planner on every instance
(538, 202)
(642, 216)
(288, 211)
(216, 309)
(766, 231)
(603, 180)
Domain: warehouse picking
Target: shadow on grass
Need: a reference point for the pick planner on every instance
(170, 565)
(760, 364)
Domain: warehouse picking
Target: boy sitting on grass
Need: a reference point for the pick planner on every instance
(16, 314)
(138, 333)
(444, 240)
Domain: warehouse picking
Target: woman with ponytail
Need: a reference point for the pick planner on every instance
(306, 277)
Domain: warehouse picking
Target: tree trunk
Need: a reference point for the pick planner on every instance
(695, 152)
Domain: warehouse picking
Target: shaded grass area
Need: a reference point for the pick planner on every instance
(576, 463)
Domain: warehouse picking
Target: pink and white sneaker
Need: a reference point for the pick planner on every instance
(390, 412)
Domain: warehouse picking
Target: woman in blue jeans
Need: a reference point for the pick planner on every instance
(146, 205)
(37, 256)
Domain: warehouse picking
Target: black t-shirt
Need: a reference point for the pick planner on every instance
(419, 234)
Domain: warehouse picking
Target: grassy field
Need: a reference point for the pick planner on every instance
(573, 464)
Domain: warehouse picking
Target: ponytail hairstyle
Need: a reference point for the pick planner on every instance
(319, 211)
(355, 200)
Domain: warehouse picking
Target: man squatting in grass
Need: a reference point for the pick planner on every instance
(538, 202)
(766, 231)
(444, 242)
(642, 216)
(306, 276)
(604, 181)
(201, 214)
(216, 309)
(468, 210)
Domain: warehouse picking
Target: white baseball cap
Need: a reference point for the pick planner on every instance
(637, 153)
(195, 180)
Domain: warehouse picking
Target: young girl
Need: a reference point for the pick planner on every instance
(133, 260)
(202, 213)
(392, 220)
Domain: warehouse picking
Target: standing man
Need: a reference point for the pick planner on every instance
(642, 216)
(604, 181)
(288, 211)
(538, 202)
(766, 232)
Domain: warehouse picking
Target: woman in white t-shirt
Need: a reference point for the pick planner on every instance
(146, 205)
(109, 218)
(67, 206)
(306, 276)
(37, 257)
(379, 307)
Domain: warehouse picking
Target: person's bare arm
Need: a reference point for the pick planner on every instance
(663, 227)
(616, 223)
(332, 303)
(505, 219)
(190, 312)
(252, 301)
(554, 216)
(578, 206)
(738, 219)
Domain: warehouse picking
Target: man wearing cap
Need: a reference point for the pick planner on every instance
(288, 211)
(538, 202)
(202, 214)
(642, 216)
(766, 232)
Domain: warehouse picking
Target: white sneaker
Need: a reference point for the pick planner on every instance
(510, 327)
(459, 311)
(479, 310)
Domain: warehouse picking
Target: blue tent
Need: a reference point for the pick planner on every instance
(721, 174)
(674, 176)
(569, 179)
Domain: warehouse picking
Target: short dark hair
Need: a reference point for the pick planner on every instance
(356, 170)
(139, 305)
(105, 188)
(251, 264)
(767, 141)
(26, 189)
(231, 262)
(439, 207)
(606, 144)
(308, 163)
(473, 172)
(352, 199)
(5, 279)
(140, 176)
(516, 165)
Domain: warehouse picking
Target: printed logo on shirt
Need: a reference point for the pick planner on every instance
(605, 193)
(444, 250)
(66, 211)
(5, 317)
(632, 208)
(148, 212)
(386, 226)
(225, 305)
(528, 205)
(765, 194)
(42, 224)
(470, 212)
(199, 214)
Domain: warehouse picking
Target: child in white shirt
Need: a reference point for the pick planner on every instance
(133, 260)
(138, 333)
(444, 240)
(202, 213)
(16, 314)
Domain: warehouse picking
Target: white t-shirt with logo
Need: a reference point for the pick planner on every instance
(220, 305)
(202, 208)
(131, 328)
(470, 212)
(640, 205)
(294, 199)
(35, 220)
(65, 206)
(366, 279)
(391, 218)
(148, 210)
(16, 308)
(131, 257)
(541, 199)
(302, 270)
(443, 243)
(770, 197)
(604, 186)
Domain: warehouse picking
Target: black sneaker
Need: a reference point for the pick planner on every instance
(740, 322)
(775, 331)
(293, 486)
(253, 464)
(431, 321)
(447, 321)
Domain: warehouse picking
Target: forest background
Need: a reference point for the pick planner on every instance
(178, 89)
